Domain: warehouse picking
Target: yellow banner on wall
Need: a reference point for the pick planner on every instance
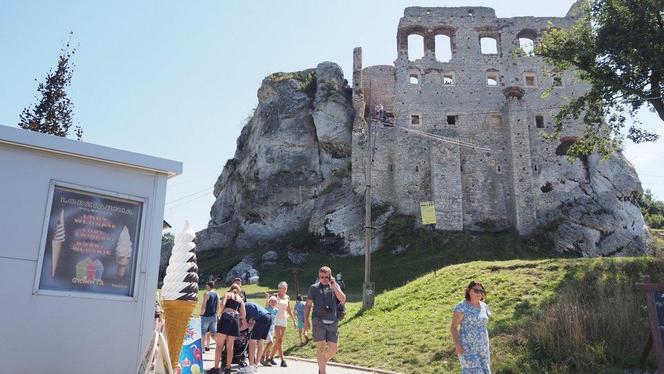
(428, 212)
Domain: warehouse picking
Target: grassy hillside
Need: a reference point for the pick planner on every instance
(426, 251)
(550, 314)
(556, 315)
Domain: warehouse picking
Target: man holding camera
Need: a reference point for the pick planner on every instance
(325, 297)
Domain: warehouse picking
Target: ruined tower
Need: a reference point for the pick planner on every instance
(461, 124)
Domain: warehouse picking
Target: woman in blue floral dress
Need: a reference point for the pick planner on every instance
(472, 340)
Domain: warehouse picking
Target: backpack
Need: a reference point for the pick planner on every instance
(341, 310)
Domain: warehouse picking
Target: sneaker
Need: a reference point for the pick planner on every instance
(212, 371)
(265, 363)
(274, 363)
(283, 364)
(247, 369)
(227, 371)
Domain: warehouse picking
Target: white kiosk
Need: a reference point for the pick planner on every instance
(80, 239)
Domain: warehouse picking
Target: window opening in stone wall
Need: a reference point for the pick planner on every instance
(414, 79)
(471, 12)
(448, 78)
(557, 81)
(414, 119)
(498, 169)
(415, 47)
(539, 121)
(451, 119)
(530, 79)
(527, 45)
(443, 48)
(488, 45)
(492, 78)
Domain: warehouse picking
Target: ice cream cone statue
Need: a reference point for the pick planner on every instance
(123, 252)
(180, 290)
(57, 242)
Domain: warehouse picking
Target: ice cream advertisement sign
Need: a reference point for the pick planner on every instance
(91, 243)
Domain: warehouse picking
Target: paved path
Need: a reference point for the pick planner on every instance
(294, 366)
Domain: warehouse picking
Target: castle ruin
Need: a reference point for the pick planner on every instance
(482, 96)
(460, 126)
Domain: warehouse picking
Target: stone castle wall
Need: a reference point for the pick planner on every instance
(493, 183)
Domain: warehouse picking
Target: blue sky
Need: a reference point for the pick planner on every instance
(177, 79)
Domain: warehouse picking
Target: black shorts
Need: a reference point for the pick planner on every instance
(229, 324)
(261, 328)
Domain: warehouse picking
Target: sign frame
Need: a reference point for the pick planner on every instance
(428, 212)
(140, 247)
(650, 289)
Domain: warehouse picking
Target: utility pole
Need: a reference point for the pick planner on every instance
(368, 286)
(295, 271)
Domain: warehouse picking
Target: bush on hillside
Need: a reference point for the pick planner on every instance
(653, 210)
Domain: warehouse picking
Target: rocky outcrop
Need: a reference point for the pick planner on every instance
(291, 167)
(593, 210)
(245, 271)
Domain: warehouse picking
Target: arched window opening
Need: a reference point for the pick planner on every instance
(443, 48)
(415, 47)
(527, 45)
(414, 79)
(488, 45)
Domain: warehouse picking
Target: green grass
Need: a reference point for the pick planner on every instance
(549, 316)
(427, 251)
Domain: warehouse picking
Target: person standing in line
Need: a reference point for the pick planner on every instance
(261, 321)
(281, 322)
(324, 298)
(299, 311)
(472, 340)
(209, 309)
(231, 322)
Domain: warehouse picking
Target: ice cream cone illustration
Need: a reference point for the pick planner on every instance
(90, 270)
(81, 269)
(56, 243)
(123, 252)
(180, 290)
(99, 269)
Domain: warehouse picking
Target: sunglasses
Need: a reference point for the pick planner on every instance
(478, 290)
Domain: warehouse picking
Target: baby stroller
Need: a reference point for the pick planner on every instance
(240, 348)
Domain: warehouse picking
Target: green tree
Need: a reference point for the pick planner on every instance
(618, 47)
(653, 210)
(53, 113)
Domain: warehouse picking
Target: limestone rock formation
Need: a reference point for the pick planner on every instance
(291, 167)
(592, 208)
(462, 130)
(244, 270)
(292, 171)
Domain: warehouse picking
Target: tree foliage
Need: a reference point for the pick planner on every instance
(53, 113)
(617, 46)
(653, 210)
